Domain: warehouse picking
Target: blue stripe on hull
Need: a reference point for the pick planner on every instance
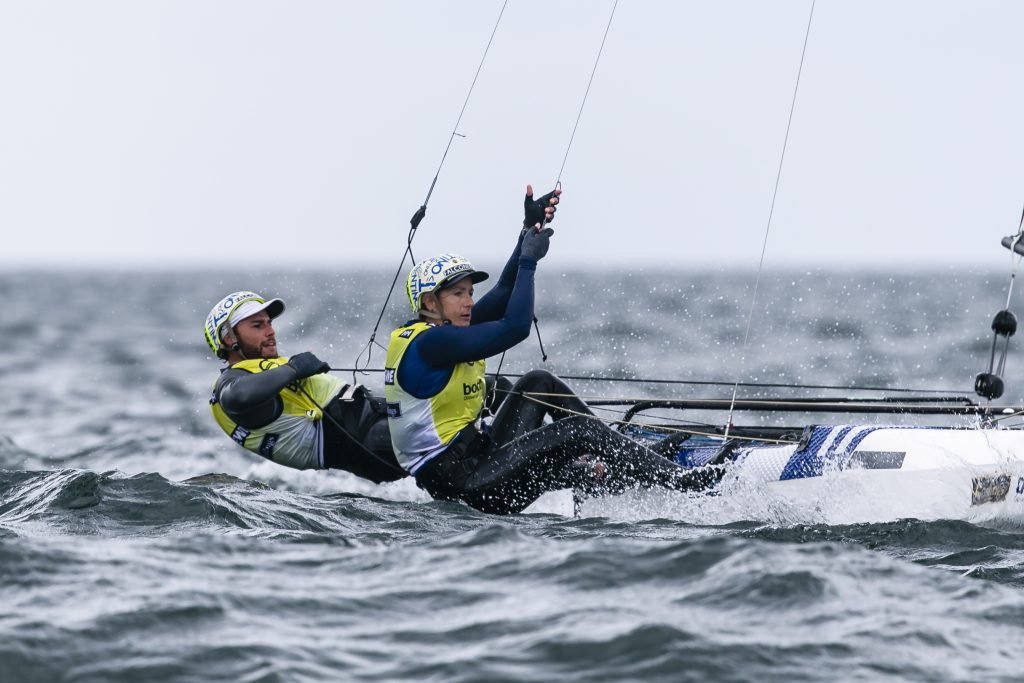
(810, 461)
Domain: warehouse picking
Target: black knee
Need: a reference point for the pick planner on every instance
(582, 424)
(537, 376)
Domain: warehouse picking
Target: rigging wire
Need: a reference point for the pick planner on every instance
(999, 418)
(840, 405)
(990, 384)
(536, 397)
(679, 425)
(565, 158)
(1015, 260)
(771, 211)
(422, 210)
(355, 441)
(579, 115)
(712, 383)
(533, 396)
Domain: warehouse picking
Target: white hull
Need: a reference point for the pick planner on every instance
(847, 475)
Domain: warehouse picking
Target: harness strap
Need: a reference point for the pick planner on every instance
(349, 393)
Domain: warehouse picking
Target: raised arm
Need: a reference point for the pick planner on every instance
(447, 346)
(492, 305)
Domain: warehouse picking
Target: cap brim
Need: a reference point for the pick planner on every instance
(273, 308)
(474, 276)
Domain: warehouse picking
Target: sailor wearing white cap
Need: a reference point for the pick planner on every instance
(290, 410)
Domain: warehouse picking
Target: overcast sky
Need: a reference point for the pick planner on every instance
(139, 133)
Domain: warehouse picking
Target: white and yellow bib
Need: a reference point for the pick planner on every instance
(421, 428)
(295, 438)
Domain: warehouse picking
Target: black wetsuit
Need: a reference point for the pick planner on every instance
(362, 444)
(506, 470)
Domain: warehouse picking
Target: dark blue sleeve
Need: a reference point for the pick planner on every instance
(443, 347)
(491, 305)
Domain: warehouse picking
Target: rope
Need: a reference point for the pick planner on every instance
(465, 104)
(579, 115)
(422, 211)
(989, 385)
(565, 158)
(839, 404)
(771, 211)
(531, 396)
(1007, 416)
(1015, 259)
(359, 444)
(712, 383)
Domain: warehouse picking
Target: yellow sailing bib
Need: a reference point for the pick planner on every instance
(295, 438)
(421, 428)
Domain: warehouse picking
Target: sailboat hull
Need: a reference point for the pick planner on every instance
(842, 474)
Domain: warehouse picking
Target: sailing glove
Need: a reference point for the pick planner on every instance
(307, 365)
(535, 244)
(533, 209)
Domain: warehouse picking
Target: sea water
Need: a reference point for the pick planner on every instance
(138, 543)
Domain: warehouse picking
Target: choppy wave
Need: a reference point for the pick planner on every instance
(139, 544)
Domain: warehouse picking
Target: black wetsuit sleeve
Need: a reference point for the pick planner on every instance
(491, 306)
(444, 347)
(251, 399)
